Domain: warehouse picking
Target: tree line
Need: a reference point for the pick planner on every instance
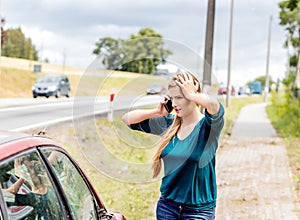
(15, 44)
(141, 53)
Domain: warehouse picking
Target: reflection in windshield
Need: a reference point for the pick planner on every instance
(48, 79)
(27, 189)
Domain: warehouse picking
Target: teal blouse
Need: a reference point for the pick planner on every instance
(189, 164)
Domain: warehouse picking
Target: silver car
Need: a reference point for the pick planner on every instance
(51, 85)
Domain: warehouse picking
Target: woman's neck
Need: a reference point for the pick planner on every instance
(191, 119)
(188, 124)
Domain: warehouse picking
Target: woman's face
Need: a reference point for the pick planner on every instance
(181, 105)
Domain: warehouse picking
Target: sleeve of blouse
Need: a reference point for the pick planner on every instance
(215, 120)
(154, 125)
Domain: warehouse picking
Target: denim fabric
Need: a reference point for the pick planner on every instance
(169, 210)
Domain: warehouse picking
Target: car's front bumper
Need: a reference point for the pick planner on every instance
(49, 93)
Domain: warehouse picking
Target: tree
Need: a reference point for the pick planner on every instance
(110, 50)
(3, 33)
(262, 79)
(290, 18)
(15, 44)
(140, 53)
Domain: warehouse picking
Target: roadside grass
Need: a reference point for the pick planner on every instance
(17, 83)
(284, 114)
(86, 139)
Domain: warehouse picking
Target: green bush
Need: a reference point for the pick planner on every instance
(284, 114)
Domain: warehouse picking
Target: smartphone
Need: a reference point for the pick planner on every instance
(168, 105)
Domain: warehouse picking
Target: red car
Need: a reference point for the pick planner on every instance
(40, 180)
(223, 90)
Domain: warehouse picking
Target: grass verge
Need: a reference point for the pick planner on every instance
(284, 114)
(17, 83)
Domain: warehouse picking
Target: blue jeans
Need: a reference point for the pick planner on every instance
(169, 210)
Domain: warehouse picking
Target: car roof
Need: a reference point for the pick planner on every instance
(156, 84)
(60, 76)
(12, 143)
(54, 75)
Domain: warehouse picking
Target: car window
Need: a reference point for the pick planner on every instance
(77, 192)
(48, 79)
(65, 79)
(27, 189)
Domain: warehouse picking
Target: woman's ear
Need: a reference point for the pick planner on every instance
(197, 86)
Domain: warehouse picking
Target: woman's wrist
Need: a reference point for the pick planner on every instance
(195, 97)
(156, 113)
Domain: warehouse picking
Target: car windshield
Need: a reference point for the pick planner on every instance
(48, 79)
(156, 85)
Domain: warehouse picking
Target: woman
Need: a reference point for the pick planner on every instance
(188, 188)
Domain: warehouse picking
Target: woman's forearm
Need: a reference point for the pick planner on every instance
(210, 103)
(139, 115)
(15, 187)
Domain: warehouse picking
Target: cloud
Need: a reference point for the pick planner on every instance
(72, 27)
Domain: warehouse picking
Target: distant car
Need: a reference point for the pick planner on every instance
(51, 85)
(161, 72)
(244, 90)
(156, 88)
(223, 90)
(40, 180)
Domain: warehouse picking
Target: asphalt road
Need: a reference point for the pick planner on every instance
(23, 114)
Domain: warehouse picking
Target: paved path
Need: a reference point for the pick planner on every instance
(254, 177)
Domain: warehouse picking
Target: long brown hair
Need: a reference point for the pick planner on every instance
(171, 132)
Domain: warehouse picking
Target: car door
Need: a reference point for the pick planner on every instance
(28, 190)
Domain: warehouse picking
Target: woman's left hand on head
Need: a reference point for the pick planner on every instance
(186, 82)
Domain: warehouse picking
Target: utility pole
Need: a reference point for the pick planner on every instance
(288, 56)
(229, 56)
(0, 29)
(268, 59)
(297, 80)
(209, 38)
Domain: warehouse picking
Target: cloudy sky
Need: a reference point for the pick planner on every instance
(67, 30)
